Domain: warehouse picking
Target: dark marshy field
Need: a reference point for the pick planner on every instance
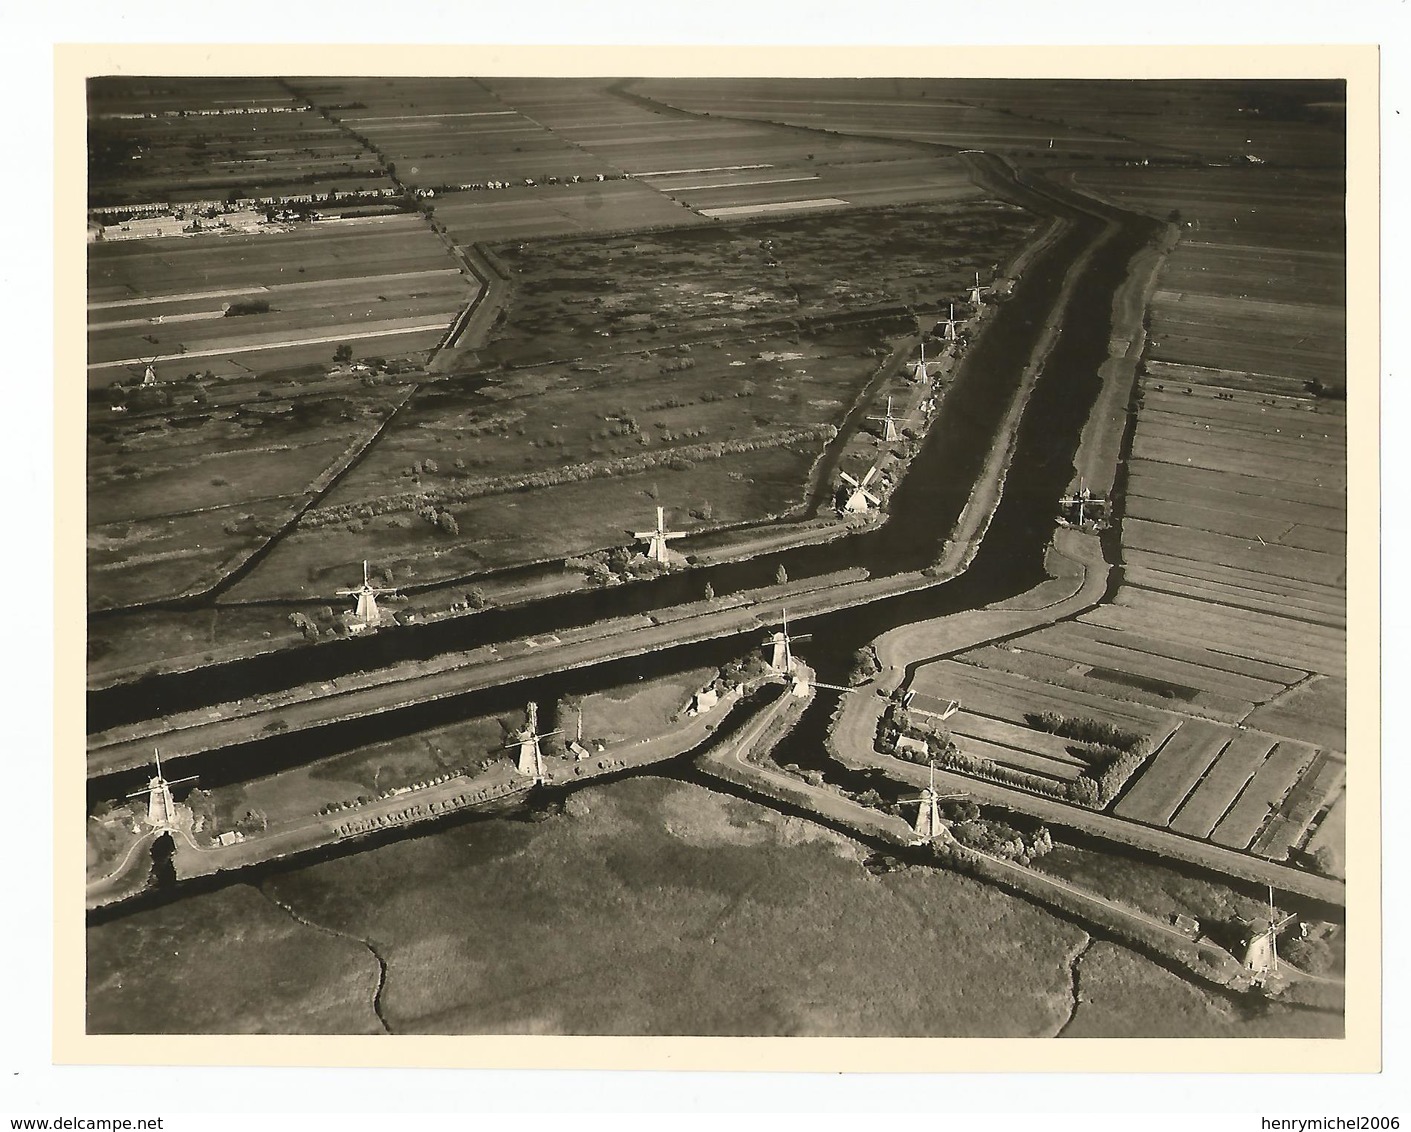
(648, 907)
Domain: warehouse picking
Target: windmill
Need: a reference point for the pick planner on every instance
(859, 498)
(1082, 500)
(950, 334)
(889, 423)
(531, 756)
(656, 540)
(366, 615)
(977, 293)
(918, 370)
(1262, 953)
(149, 373)
(928, 825)
(781, 641)
(161, 810)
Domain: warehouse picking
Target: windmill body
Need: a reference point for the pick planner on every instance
(1261, 954)
(977, 293)
(918, 370)
(657, 540)
(950, 333)
(366, 614)
(859, 499)
(928, 824)
(530, 760)
(1084, 503)
(780, 643)
(161, 808)
(889, 424)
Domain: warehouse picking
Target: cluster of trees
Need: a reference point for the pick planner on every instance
(252, 820)
(322, 625)
(745, 670)
(865, 665)
(685, 434)
(1085, 729)
(203, 812)
(999, 839)
(569, 473)
(1119, 769)
(254, 306)
(604, 567)
(1114, 754)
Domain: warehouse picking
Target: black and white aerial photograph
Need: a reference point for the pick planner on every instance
(716, 557)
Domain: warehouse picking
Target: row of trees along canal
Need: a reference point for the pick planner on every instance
(923, 510)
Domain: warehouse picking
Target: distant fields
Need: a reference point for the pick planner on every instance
(385, 285)
(1050, 121)
(214, 137)
(923, 110)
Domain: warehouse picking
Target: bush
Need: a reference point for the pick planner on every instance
(253, 306)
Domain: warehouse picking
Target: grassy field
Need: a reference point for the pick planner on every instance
(666, 908)
(638, 711)
(228, 962)
(174, 502)
(1123, 995)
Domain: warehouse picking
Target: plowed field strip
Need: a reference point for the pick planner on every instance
(1293, 417)
(1012, 697)
(1294, 589)
(1209, 633)
(1170, 775)
(1272, 781)
(1323, 779)
(1058, 769)
(1124, 659)
(1177, 452)
(1332, 498)
(1215, 377)
(1006, 734)
(1222, 783)
(1156, 646)
(1331, 615)
(1249, 554)
(1143, 485)
(1201, 518)
(1233, 623)
(1112, 683)
(1278, 313)
(1267, 445)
